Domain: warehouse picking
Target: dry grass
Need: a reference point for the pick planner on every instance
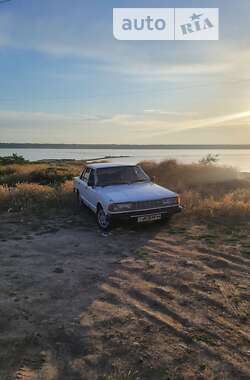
(207, 191)
(186, 176)
(41, 173)
(35, 197)
(235, 204)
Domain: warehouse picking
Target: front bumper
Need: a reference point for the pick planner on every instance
(134, 215)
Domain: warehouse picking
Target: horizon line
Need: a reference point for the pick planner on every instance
(121, 146)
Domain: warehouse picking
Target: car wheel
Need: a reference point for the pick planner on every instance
(103, 220)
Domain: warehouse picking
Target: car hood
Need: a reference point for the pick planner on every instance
(135, 192)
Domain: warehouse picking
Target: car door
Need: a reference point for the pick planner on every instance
(91, 194)
(83, 185)
(80, 184)
(87, 192)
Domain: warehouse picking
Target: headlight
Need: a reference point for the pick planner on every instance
(120, 207)
(171, 201)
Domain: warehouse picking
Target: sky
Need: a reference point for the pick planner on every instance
(64, 78)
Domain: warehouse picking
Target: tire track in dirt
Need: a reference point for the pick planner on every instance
(152, 291)
(209, 257)
(160, 315)
(37, 366)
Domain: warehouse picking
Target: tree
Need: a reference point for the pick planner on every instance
(209, 159)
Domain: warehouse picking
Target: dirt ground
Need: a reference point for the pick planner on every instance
(153, 302)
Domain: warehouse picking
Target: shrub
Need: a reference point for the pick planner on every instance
(232, 206)
(43, 174)
(34, 197)
(14, 159)
(181, 176)
(209, 159)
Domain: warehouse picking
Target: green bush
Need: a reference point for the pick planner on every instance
(14, 159)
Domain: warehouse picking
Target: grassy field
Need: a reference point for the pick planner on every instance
(37, 186)
(207, 190)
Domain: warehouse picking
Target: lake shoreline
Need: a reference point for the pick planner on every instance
(236, 158)
(124, 146)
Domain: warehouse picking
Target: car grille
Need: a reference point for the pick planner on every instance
(154, 204)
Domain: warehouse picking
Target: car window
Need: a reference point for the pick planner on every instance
(91, 177)
(82, 174)
(86, 175)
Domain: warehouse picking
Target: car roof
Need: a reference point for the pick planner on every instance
(106, 165)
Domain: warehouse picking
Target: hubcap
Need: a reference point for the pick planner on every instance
(103, 219)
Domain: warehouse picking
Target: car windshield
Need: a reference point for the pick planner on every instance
(120, 175)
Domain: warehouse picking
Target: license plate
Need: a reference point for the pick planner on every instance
(149, 218)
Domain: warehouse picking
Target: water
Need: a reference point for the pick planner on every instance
(237, 158)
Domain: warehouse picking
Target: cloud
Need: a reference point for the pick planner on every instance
(228, 134)
(168, 113)
(172, 72)
(219, 120)
(13, 118)
(159, 120)
(141, 127)
(222, 121)
(94, 41)
(152, 123)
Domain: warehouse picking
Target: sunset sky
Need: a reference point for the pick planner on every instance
(64, 78)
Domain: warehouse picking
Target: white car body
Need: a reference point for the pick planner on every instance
(143, 198)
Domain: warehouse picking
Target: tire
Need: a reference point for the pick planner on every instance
(102, 219)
